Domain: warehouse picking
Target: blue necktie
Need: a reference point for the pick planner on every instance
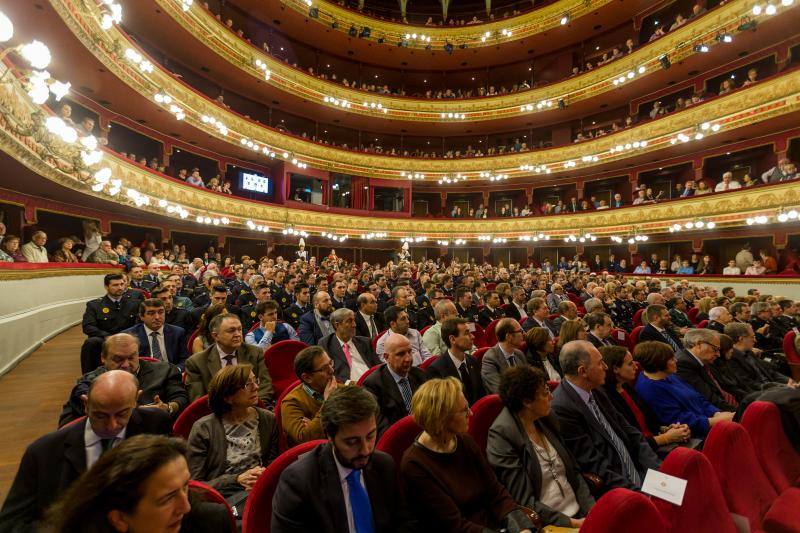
(359, 503)
(629, 468)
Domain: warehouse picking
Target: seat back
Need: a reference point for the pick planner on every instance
(374, 341)
(210, 494)
(747, 490)
(258, 509)
(193, 412)
(151, 359)
(792, 357)
(191, 339)
(397, 439)
(479, 336)
(490, 339)
(692, 314)
(624, 511)
(427, 362)
(702, 324)
(484, 411)
(279, 358)
(633, 338)
(704, 507)
(778, 458)
(426, 328)
(282, 443)
(637, 318)
(368, 372)
(619, 337)
(479, 353)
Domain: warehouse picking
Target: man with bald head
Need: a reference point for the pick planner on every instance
(160, 383)
(432, 338)
(394, 383)
(55, 460)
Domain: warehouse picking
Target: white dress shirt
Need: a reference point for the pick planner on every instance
(160, 331)
(419, 351)
(222, 355)
(94, 448)
(343, 473)
(522, 314)
(369, 320)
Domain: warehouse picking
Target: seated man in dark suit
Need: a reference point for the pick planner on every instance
(160, 384)
(300, 306)
(317, 323)
(369, 322)
(782, 324)
(219, 295)
(751, 372)
(600, 438)
(394, 383)
(491, 310)
(516, 309)
(456, 362)
(158, 339)
(659, 327)
(465, 305)
(718, 318)
(55, 460)
(228, 349)
(694, 367)
(106, 316)
(537, 316)
(351, 355)
(600, 326)
(505, 354)
(344, 485)
(174, 316)
(566, 311)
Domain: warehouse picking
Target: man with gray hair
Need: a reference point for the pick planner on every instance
(593, 305)
(351, 355)
(432, 338)
(105, 254)
(600, 439)
(718, 318)
(694, 367)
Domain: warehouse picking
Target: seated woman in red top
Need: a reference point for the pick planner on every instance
(620, 380)
(447, 480)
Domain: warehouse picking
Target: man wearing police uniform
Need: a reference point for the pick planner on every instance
(106, 316)
(202, 294)
(137, 281)
(466, 309)
(173, 283)
(248, 312)
(279, 293)
(426, 303)
(300, 306)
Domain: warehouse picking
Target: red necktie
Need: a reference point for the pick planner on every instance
(729, 398)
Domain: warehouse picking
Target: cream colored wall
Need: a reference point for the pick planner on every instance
(36, 309)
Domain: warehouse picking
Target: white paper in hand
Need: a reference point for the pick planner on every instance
(664, 486)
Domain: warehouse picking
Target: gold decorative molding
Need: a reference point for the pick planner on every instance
(756, 103)
(537, 21)
(13, 274)
(678, 45)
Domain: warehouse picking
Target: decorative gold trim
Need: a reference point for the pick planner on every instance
(537, 21)
(773, 97)
(17, 275)
(678, 44)
(776, 280)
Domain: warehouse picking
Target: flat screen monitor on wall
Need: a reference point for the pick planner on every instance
(255, 182)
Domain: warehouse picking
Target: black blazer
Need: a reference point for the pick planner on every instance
(591, 445)
(333, 348)
(443, 367)
(309, 495)
(174, 342)
(54, 461)
(102, 318)
(650, 333)
(598, 343)
(486, 316)
(650, 419)
(512, 311)
(362, 329)
(692, 372)
(383, 386)
(511, 454)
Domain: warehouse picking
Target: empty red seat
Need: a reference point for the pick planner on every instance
(396, 440)
(258, 509)
(704, 507)
(747, 490)
(428, 362)
(775, 453)
(279, 359)
(484, 412)
(193, 412)
(478, 355)
(624, 511)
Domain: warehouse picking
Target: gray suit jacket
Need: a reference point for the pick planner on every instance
(208, 450)
(511, 454)
(493, 364)
(202, 366)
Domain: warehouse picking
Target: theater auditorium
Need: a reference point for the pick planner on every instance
(400, 266)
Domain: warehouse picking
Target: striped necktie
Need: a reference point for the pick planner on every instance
(627, 462)
(405, 391)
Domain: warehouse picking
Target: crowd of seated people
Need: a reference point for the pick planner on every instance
(605, 418)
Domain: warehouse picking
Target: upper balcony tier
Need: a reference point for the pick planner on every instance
(241, 68)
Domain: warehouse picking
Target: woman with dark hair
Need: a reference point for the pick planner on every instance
(203, 339)
(706, 266)
(572, 330)
(671, 399)
(620, 377)
(140, 486)
(229, 448)
(64, 252)
(530, 457)
(540, 352)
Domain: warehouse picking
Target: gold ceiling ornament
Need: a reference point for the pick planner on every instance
(677, 45)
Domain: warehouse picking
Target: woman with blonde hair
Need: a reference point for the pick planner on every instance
(704, 305)
(446, 477)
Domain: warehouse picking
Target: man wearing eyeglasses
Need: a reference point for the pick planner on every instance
(505, 354)
(694, 367)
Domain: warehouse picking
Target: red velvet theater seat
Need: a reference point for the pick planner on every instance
(625, 511)
(778, 458)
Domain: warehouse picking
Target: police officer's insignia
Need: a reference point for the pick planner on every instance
(294, 315)
(106, 310)
(243, 291)
(252, 313)
(283, 300)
